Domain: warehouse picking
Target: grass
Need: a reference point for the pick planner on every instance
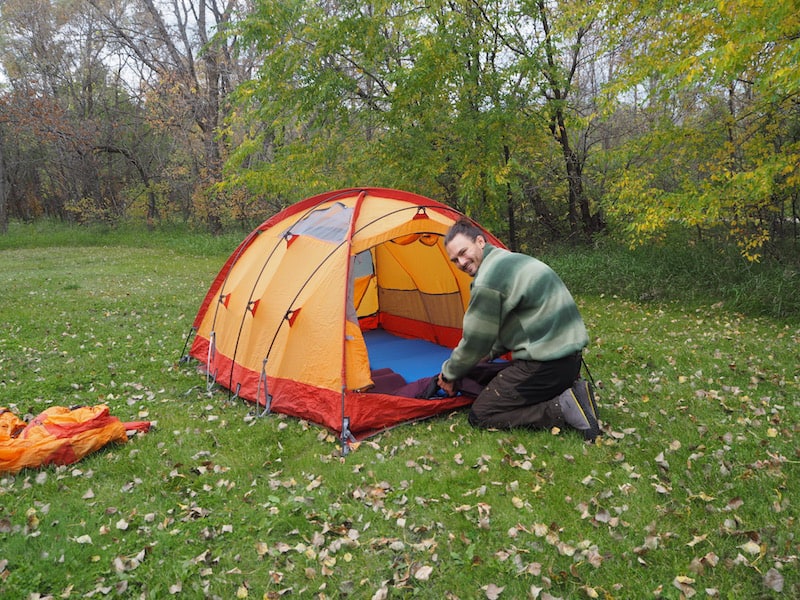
(694, 487)
(687, 272)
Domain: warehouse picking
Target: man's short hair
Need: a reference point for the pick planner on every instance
(464, 227)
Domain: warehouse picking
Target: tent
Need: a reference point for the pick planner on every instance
(327, 300)
(59, 436)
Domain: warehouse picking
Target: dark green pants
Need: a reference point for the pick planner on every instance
(523, 394)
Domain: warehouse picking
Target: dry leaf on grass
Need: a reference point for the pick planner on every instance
(492, 591)
(773, 580)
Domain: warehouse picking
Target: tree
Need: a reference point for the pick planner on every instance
(186, 68)
(65, 116)
(447, 99)
(725, 152)
(548, 42)
(117, 105)
(3, 187)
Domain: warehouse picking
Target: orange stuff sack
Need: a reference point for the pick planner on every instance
(59, 436)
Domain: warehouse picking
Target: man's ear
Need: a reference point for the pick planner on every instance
(480, 240)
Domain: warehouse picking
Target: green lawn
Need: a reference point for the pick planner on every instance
(693, 489)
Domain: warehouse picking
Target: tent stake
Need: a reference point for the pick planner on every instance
(267, 396)
(346, 437)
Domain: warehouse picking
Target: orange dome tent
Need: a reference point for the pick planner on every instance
(287, 321)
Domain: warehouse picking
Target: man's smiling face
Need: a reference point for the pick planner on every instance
(465, 253)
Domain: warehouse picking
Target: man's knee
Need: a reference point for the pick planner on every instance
(475, 420)
(484, 410)
(490, 418)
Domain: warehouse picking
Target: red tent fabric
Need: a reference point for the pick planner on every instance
(59, 436)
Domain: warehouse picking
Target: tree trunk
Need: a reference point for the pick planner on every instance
(578, 205)
(512, 224)
(3, 188)
(152, 206)
(580, 224)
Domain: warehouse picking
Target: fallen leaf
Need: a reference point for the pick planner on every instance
(381, 594)
(423, 573)
(740, 560)
(733, 504)
(492, 591)
(540, 529)
(594, 558)
(704, 497)
(683, 583)
(602, 516)
(751, 547)
(119, 565)
(696, 567)
(565, 549)
(774, 580)
(32, 518)
(660, 488)
(661, 461)
(533, 568)
(697, 539)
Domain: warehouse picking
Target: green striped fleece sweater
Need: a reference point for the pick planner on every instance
(519, 305)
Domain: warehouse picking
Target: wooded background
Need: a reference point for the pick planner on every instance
(543, 119)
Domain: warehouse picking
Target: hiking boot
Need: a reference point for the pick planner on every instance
(578, 413)
(582, 389)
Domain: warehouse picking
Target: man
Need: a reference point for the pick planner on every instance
(519, 305)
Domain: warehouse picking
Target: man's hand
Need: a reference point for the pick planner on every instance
(448, 386)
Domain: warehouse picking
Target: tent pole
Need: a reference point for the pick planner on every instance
(184, 358)
(210, 379)
(347, 436)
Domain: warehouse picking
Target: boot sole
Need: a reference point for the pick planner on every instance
(588, 409)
